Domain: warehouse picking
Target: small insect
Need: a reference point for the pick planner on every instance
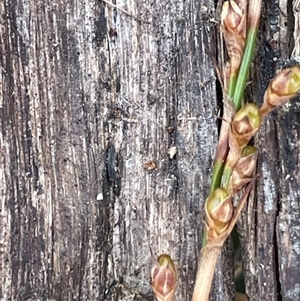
(150, 165)
(112, 32)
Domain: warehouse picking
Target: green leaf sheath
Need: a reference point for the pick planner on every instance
(216, 176)
(227, 171)
(231, 85)
(244, 69)
(238, 85)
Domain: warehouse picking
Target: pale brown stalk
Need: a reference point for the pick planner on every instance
(210, 253)
(206, 268)
(254, 13)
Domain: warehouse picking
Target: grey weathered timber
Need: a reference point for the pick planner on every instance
(92, 96)
(88, 95)
(271, 223)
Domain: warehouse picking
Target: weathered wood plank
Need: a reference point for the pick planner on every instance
(89, 94)
(168, 83)
(271, 258)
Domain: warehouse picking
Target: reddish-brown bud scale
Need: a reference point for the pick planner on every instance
(284, 86)
(163, 278)
(219, 210)
(231, 15)
(244, 169)
(245, 124)
(233, 24)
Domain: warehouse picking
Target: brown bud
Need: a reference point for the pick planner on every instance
(163, 278)
(285, 85)
(234, 151)
(219, 210)
(244, 169)
(232, 18)
(247, 163)
(246, 123)
(233, 24)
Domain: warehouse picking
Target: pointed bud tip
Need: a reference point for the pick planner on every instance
(164, 260)
(219, 210)
(217, 197)
(286, 82)
(163, 278)
(246, 123)
(231, 15)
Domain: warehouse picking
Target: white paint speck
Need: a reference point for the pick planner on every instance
(100, 196)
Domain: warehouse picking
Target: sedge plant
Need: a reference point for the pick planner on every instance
(235, 161)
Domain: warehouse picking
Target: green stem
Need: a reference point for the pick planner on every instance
(227, 171)
(231, 84)
(236, 89)
(236, 84)
(244, 69)
(239, 92)
(216, 176)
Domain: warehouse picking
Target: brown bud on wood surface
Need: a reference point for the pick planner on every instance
(284, 86)
(163, 278)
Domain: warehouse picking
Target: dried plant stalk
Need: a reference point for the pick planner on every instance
(209, 254)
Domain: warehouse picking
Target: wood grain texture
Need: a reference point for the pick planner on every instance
(271, 221)
(88, 95)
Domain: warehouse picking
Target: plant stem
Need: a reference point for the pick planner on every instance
(236, 88)
(244, 69)
(254, 10)
(254, 16)
(227, 171)
(209, 254)
(206, 268)
(231, 85)
(216, 175)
